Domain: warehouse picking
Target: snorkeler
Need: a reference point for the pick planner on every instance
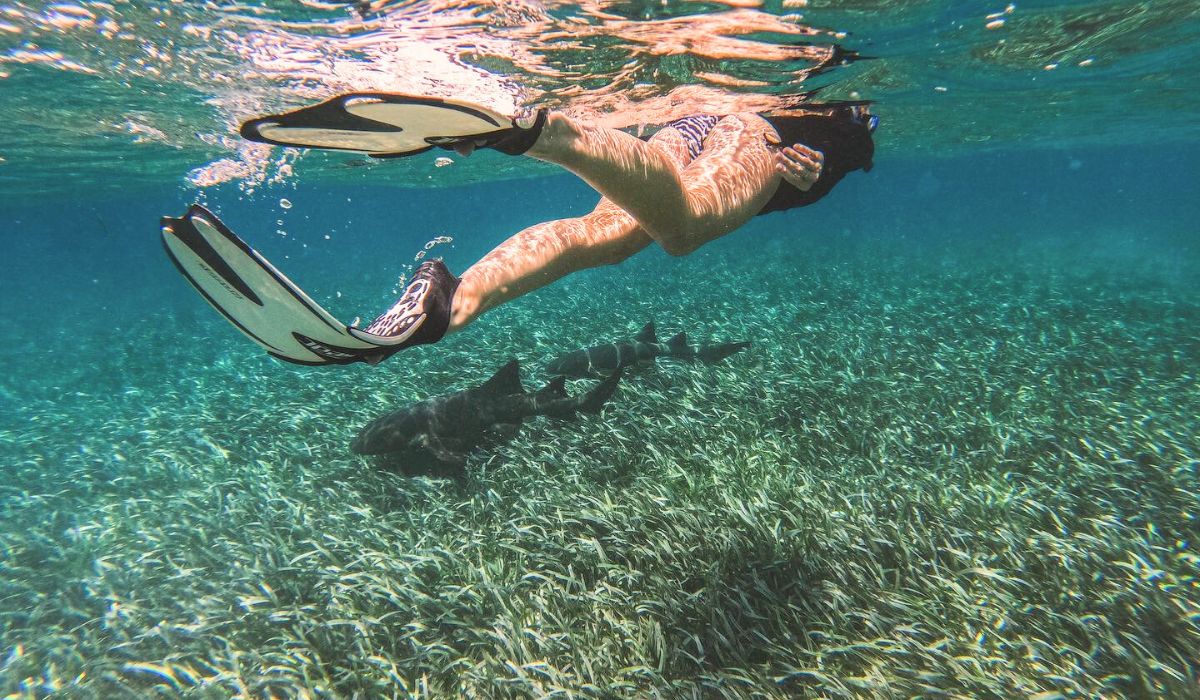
(695, 180)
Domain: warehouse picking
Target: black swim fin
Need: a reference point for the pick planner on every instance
(388, 125)
(258, 299)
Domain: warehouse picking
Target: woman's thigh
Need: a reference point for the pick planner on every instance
(671, 142)
(725, 185)
(668, 140)
(733, 177)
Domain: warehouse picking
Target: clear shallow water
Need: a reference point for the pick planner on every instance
(99, 95)
(960, 456)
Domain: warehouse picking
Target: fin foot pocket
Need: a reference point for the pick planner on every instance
(420, 316)
(518, 140)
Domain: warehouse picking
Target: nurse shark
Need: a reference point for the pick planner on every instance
(643, 349)
(445, 429)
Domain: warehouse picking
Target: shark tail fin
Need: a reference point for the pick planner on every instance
(555, 389)
(647, 334)
(505, 382)
(714, 353)
(596, 398)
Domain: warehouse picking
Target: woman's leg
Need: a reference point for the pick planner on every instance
(542, 254)
(652, 191)
(546, 252)
(681, 208)
(690, 201)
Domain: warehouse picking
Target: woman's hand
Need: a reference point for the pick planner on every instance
(799, 165)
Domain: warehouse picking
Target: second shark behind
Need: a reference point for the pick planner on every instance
(602, 360)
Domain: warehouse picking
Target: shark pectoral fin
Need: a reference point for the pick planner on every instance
(596, 398)
(446, 450)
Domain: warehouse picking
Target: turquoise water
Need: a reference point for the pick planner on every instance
(959, 458)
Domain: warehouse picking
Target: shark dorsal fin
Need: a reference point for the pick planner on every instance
(647, 334)
(678, 341)
(506, 381)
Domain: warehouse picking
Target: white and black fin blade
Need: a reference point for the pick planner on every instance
(505, 382)
(379, 124)
(647, 334)
(254, 296)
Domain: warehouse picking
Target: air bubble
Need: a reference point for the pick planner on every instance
(438, 240)
(285, 203)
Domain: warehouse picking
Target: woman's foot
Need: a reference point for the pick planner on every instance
(420, 316)
(513, 141)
